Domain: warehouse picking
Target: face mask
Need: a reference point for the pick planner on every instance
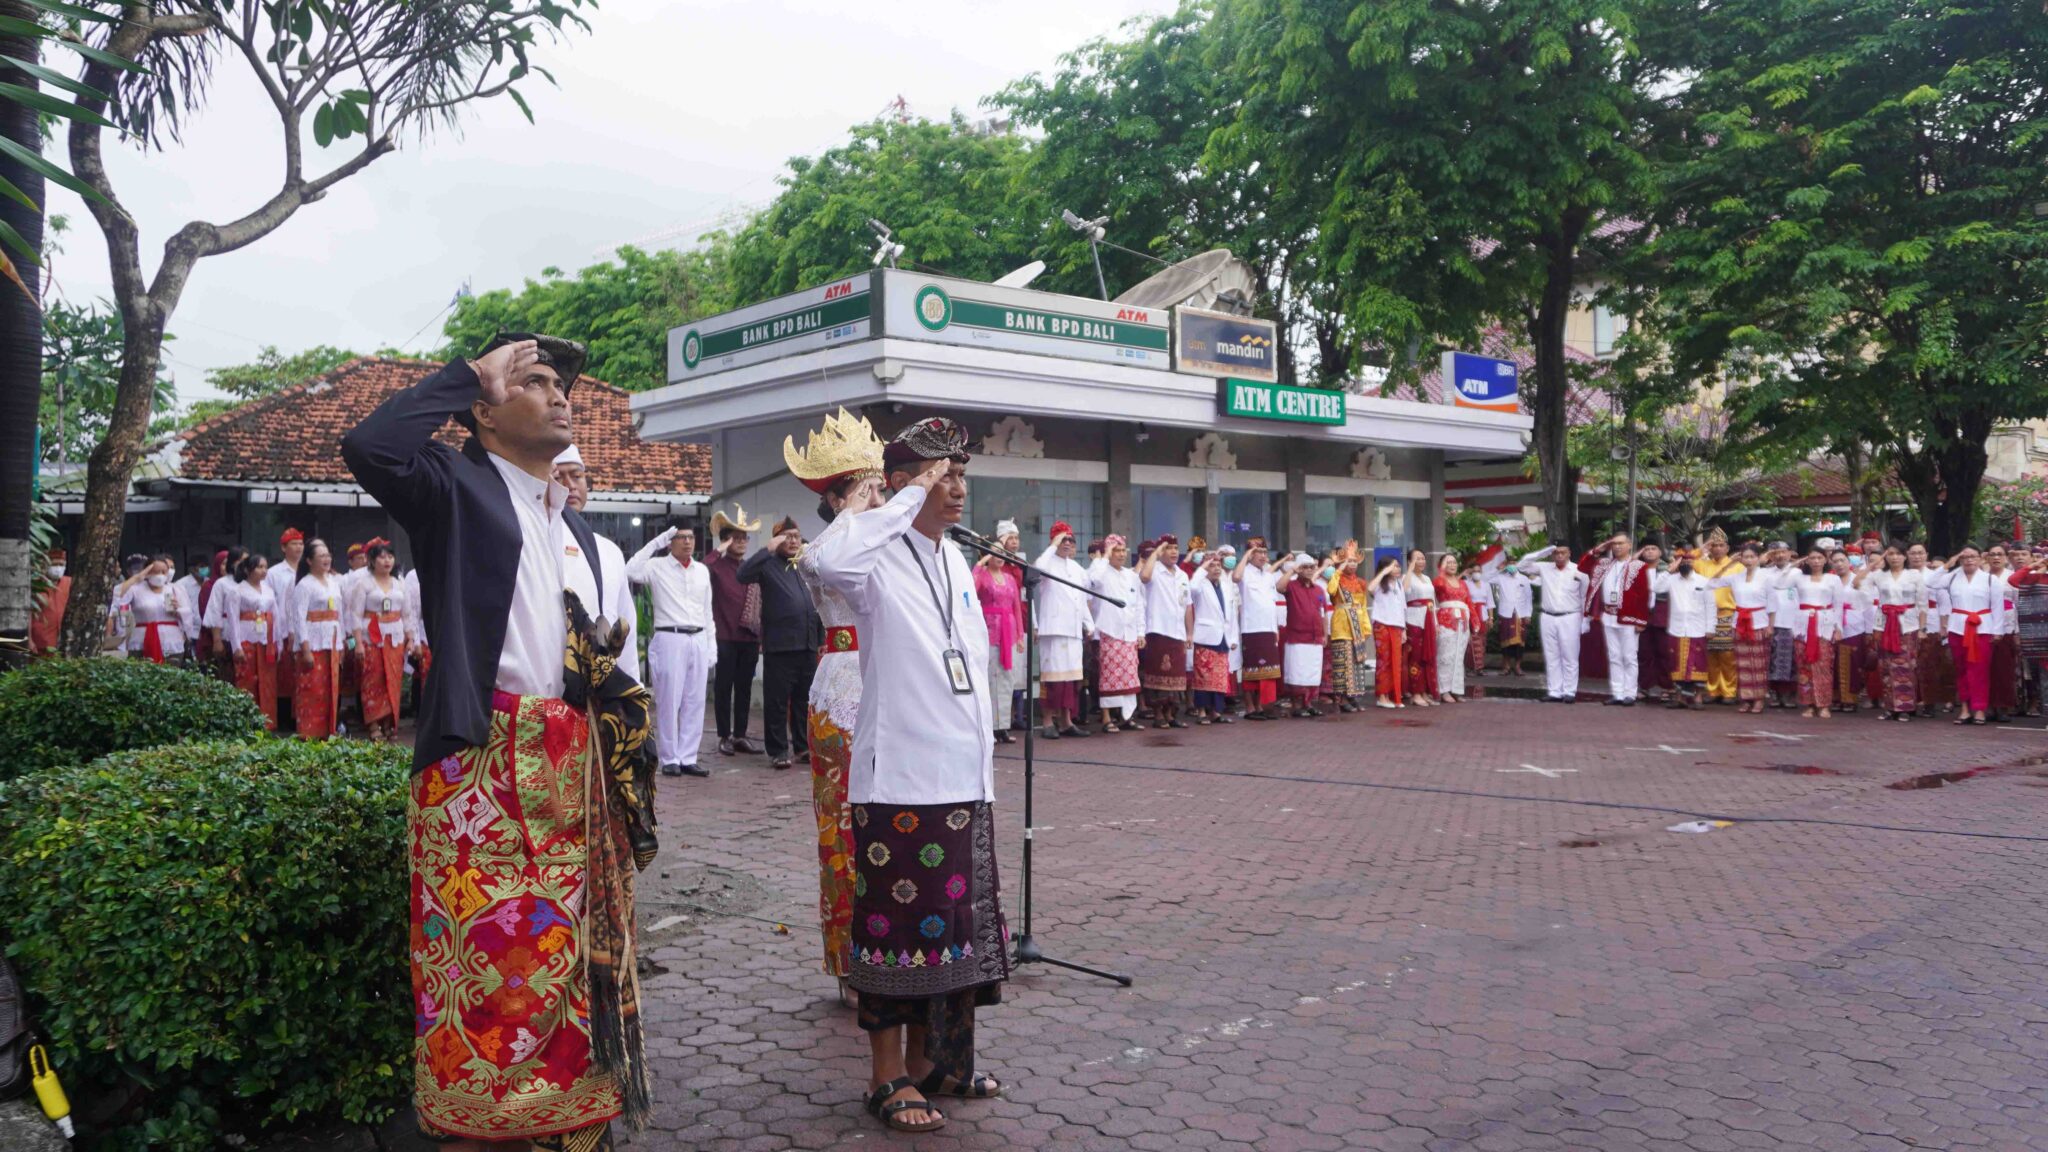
(1855, 561)
(202, 572)
(1685, 568)
(1229, 562)
(56, 571)
(1327, 573)
(155, 581)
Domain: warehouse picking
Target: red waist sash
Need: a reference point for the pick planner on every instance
(841, 639)
(1745, 625)
(1973, 644)
(1894, 635)
(152, 644)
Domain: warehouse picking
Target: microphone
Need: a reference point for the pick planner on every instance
(961, 534)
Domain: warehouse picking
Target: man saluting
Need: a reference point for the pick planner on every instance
(521, 894)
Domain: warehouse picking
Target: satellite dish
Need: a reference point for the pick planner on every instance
(1215, 279)
(1022, 276)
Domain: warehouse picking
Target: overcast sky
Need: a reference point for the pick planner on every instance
(671, 114)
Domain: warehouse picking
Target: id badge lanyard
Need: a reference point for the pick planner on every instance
(954, 659)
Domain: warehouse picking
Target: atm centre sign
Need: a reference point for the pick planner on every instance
(1258, 400)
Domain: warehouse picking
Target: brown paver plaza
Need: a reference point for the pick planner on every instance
(1387, 931)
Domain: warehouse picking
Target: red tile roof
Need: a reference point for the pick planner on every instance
(294, 435)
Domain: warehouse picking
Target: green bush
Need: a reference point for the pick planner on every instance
(72, 711)
(214, 935)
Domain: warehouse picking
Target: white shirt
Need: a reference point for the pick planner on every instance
(681, 592)
(1692, 603)
(1480, 589)
(1259, 607)
(1512, 597)
(216, 614)
(148, 605)
(2005, 616)
(312, 594)
(618, 603)
(1214, 619)
(1966, 594)
(1855, 609)
(1756, 591)
(1166, 601)
(1903, 590)
(1818, 601)
(1563, 587)
(188, 606)
(1390, 604)
(415, 622)
(916, 741)
(1784, 604)
(384, 604)
(1128, 622)
(279, 580)
(1057, 609)
(1419, 588)
(550, 562)
(248, 599)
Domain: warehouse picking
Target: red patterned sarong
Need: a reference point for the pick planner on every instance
(1388, 641)
(383, 676)
(501, 996)
(831, 749)
(1752, 665)
(1421, 647)
(1117, 665)
(1212, 672)
(256, 674)
(319, 690)
(1817, 675)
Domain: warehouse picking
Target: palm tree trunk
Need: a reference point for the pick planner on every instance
(21, 344)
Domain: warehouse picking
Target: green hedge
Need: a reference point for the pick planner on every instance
(214, 935)
(72, 711)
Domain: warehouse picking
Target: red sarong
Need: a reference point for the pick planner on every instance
(383, 676)
(1388, 642)
(319, 692)
(1421, 650)
(501, 994)
(256, 670)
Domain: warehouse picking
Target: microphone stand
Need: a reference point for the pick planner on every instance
(1028, 951)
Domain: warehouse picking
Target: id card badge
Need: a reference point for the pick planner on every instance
(956, 667)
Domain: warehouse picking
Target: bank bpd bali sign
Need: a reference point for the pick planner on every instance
(1015, 320)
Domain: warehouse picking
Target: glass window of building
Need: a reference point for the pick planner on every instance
(1330, 520)
(1035, 505)
(1393, 525)
(1243, 514)
(1164, 510)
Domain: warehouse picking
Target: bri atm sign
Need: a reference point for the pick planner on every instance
(1473, 381)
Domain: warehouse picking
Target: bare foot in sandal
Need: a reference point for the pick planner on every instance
(899, 1105)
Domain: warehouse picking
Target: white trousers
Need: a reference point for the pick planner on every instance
(1623, 648)
(1561, 656)
(679, 665)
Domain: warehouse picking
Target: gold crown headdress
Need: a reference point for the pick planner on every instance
(845, 447)
(737, 521)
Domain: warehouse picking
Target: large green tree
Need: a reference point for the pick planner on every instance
(1125, 124)
(1857, 221)
(622, 310)
(356, 77)
(1457, 160)
(957, 199)
(81, 374)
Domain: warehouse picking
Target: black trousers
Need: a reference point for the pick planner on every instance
(732, 686)
(786, 698)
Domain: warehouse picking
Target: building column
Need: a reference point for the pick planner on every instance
(1429, 514)
(1297, 500)
(1364, 526)
(1208, 511)
(1121, 506)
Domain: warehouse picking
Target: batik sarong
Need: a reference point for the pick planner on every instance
(1817, 677)
(1513, 634)
(1388, 642)
(1212, 671)
(256, 674)
(1163, 665)
(501, 992)
(1849, 669)
(2005, 667)
(1902, 675)
(1937, 671)
(927, 908)
(1753, 667)
(1261, 656)
(831, 750)
(1784, 657)
(318, 696)
(1421, 654)
(1685, 658)
(383, 677)
(1119, 662)
(1450, 654)
(1350, 668)
(1478, 652)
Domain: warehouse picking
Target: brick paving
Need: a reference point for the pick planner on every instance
(1388, 932)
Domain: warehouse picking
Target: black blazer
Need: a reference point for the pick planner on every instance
(458, 515)
(789, 621)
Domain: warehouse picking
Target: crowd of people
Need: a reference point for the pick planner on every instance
(894, 666)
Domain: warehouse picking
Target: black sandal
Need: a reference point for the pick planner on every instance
(1225, 720)
(1176, 722)
(890, 1113)
(980, 1086)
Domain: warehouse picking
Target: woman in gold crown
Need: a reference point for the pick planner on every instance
(843, 464)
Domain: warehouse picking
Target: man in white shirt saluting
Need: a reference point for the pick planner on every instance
(683, 649)
(928, 938)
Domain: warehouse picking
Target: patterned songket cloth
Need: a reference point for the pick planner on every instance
(927, 912)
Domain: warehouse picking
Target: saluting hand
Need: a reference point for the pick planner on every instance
(498, 368)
